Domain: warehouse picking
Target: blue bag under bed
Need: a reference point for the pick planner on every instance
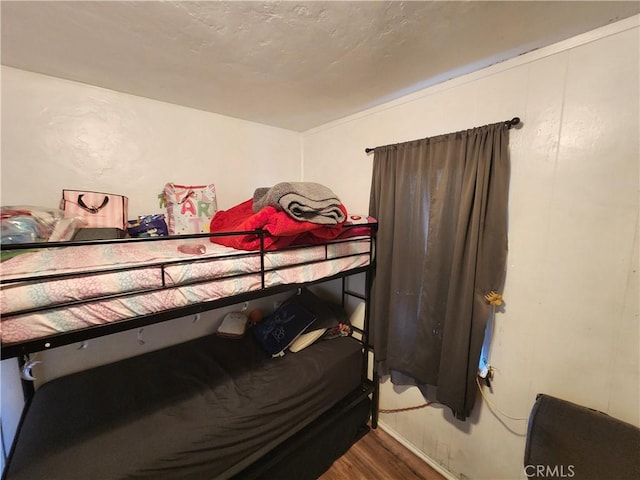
(207, 408)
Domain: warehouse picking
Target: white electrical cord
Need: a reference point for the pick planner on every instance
(494, 408)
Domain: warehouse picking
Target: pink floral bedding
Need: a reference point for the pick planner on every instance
(224, 270)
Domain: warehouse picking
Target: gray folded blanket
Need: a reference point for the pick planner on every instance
(303, 201)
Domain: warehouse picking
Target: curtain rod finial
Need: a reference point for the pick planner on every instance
(512, 123)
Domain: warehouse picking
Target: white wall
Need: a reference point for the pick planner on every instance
(60, 134)
(570, 324)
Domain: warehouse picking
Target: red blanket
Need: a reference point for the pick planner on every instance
(283, 229)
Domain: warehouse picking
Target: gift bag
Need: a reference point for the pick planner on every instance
(97, 209)
(190, 208)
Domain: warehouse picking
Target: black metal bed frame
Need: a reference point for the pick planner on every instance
(290, 448)
(23, 349)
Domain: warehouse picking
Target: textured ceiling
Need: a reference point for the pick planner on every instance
(294, 65)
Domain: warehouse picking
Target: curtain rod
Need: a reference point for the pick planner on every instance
(507, 123)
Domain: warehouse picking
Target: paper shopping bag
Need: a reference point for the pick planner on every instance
(190, 208)
(97, 209)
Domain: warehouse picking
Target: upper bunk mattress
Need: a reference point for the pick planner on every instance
(202, 409)
(98, 284)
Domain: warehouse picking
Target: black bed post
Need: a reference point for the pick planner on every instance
(369, 348)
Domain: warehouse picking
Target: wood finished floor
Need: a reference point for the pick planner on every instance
(379, 456)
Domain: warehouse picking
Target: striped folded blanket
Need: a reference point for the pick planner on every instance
(303, 201)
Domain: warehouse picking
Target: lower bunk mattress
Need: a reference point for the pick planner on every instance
(203, 409)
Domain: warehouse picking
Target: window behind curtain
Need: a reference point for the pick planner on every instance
(441, 204)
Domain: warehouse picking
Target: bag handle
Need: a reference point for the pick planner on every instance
(92, 209)
(190, 193)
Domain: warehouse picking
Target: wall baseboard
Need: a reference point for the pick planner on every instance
(409, 446)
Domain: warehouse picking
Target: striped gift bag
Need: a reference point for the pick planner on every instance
(97, 209)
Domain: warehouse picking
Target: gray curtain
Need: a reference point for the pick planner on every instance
(441, 204)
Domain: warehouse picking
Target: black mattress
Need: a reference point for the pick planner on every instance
(202, 409)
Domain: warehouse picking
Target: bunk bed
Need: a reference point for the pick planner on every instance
(212, 407)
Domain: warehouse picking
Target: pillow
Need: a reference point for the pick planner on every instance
(328, 317)
(277, 331)
(306, 339)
